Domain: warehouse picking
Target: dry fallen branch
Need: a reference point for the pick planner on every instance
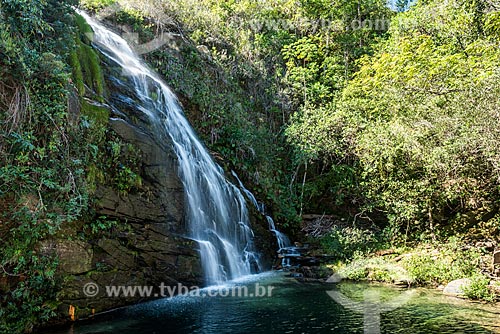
(319, 226)
(15, 101)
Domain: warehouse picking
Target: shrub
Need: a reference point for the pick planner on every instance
(479, 288)
(442, 265)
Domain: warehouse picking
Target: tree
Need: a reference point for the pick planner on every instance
(417, 122)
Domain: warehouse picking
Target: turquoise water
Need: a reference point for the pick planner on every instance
(295, 307)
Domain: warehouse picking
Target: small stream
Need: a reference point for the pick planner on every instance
(295, 307)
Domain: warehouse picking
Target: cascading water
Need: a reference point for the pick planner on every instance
(216, 211)
(283, 241)
(281, 238)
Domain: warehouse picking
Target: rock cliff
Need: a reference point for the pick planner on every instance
(147, 244)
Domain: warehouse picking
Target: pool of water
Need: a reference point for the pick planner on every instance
(293, 307)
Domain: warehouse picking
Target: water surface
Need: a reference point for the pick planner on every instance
(297, 307)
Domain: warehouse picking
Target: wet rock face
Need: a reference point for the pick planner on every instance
(139, 255)
(147, 245)
(161, 198)
(264, 240)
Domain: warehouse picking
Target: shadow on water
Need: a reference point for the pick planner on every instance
(295, 307)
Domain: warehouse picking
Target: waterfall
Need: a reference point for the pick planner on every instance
(281, 238)
(216, 212)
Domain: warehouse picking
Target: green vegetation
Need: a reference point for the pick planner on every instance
(348, 242)
(412, 138)
(41, 174)
(440, 265)
(363, 268)
(54, 146)
(479, 289)
(417, 123)
(424, 265)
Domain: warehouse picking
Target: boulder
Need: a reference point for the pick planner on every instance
(496, 257)
(455, 288)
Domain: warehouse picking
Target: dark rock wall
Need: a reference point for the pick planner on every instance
(147, 246)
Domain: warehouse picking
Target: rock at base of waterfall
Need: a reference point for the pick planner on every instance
(456, 287)
(312, 274)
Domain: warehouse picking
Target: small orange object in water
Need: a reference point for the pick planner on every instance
(72, 312)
